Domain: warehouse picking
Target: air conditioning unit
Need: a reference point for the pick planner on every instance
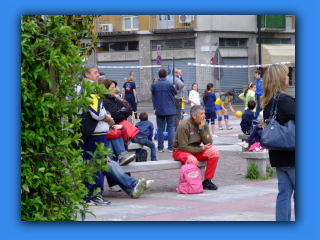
(107, 27)
(185, 18)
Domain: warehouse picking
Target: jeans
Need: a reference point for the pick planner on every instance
(117, 146)
(148, 143)
(177, 102)
(286, 185)
(160, 122)
(256, 133)
(131, 100)
(116, 173)
(258, 106)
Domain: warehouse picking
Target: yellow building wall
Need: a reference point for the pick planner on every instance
(143, 22)
(293, 22)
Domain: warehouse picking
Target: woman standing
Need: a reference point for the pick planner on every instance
(209, 99)
(275, 81)
(220, 102)
(249, 94)
(194, 98)
(129, 93)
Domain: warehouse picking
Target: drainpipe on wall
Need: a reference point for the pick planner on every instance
(259, 43)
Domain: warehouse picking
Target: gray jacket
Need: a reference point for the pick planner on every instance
(179, 86)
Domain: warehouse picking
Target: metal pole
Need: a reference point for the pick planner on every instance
(219, 74)
(173, 66)
(259, 42)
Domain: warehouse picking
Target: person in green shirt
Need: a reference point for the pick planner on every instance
(249, 94)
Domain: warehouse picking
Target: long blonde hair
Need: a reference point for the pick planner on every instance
(274, 80)
(131, 79)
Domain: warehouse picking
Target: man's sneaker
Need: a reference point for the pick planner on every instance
(220, 128)
(138, 189)
(244, 144)
(170, 150)
(98, 201)
(229, 127)
(207, 184)
(125, 158)
(149, 184)
(161, 150)
(115, 188)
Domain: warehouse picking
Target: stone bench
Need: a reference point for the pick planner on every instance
(134, 146)
(158, 166)
(259, 158)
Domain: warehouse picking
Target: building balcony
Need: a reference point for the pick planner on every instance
(172, 23)
(273, 23)
(116, 24)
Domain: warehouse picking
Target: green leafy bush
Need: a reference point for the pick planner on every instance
(52, 171)
(252, 171)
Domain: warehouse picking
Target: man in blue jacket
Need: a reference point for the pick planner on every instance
(163, 93)
(259, 91)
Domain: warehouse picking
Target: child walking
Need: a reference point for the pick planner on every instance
(220, 102)
(145, 134)
(209, 99)
(194, 97)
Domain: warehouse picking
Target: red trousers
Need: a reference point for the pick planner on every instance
(210, 155)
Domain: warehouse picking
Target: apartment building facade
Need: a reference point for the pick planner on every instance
(129, 43)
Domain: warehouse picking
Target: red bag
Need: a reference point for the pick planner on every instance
(131, 129)
(114, 134)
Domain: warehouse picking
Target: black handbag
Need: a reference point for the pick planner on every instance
(275, 136)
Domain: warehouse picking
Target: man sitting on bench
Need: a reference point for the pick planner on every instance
(189, 135)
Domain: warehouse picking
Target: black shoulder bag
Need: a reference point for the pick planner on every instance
(276, 136)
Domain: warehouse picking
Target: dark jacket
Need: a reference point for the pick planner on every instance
(286, 112)
(246, 120)
(209, 104)
(114, 105)
(145, 129)
(163, 94)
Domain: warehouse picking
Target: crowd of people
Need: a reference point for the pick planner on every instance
(189, 140)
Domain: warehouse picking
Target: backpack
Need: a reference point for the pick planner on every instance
(190, 181)
(142, 155)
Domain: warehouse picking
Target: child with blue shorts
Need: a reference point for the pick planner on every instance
(209, 99)
(220, 107)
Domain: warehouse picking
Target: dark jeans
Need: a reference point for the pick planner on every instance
(148, 143)
(160, 125)
(258, 106)
(256, 133)
(117, 147)
(131, 100)
(177, 117)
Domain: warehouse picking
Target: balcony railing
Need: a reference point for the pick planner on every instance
(172, 23)
(128, 24)
(273, 22)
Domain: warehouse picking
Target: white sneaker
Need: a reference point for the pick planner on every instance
(214, 136)
(185, 114)
(115, 188)
(244, 144)
(138, 189)
(220, 128)
(229, 128)
(149, 184)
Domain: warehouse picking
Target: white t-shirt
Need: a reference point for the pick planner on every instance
(194, 97)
